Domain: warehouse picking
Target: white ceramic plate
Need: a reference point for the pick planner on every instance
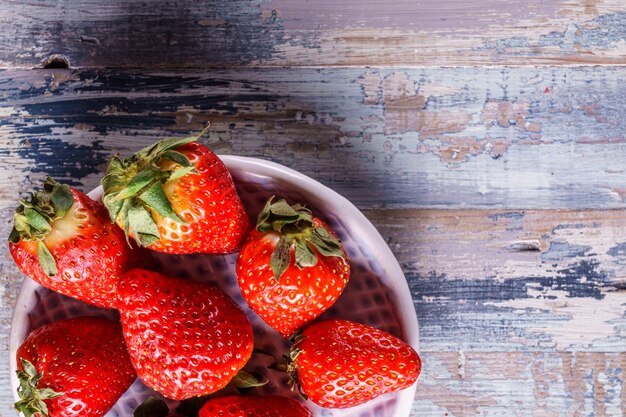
(377, 293)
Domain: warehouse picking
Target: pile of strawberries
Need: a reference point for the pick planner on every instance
(186, 339)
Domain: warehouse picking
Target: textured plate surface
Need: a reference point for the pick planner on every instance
(377, 293)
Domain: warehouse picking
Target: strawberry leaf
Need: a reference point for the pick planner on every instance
(181, 172)
(281, 257)
(325, 234)
(37, 222)
(14, 236)
(282, 209)
(32, 397)
(152, 407)
(46, 260)
(305, 257)
(275, 216)
(29, 368)
(113, 206)
(244, 379)
(20, 224)
(142, 225)
(155, 198)
(264, 215)
(178, 158)
(278, 225)
(166, 144)
(326, 243)
(140, 181)
(111, 180)
(126, 205)
(60, 196)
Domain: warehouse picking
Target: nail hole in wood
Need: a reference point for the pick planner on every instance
(525, 246)
(89, 39)
(56, 62)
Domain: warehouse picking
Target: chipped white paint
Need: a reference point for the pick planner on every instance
(575, 323)
(10, 111)
(7, 111)
(431, 33)
(521, 384)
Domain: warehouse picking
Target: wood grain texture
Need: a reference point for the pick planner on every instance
(470, 133)
(521, 384)
(513, 280)
(459, 137)
(134, 33)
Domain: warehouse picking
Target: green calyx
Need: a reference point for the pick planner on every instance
(133, 187)
(32, 220)
(32, 398)
(245, 380)
(295, 225)
(288, 365)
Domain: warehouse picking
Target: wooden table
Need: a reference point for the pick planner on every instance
(484, 139)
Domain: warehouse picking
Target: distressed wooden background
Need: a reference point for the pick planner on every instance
(484, 139)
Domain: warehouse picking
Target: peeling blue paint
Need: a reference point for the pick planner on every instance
(518, 42)
(315, 121)
(508, 215)
(66, 162)
(466, 306)
(569, 226)
(619, 252)
(561, 250)
(598, 32)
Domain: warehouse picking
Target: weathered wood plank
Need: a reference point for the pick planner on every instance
(513, 280)
(458, 137)
(262, 32)
(526, 384)
(521, 311)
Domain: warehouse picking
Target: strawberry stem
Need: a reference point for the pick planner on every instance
(32, 398)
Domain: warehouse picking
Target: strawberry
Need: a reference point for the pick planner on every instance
(261, 406)
(292, 267)
(340, 364)
(63, 240)
(74, 367)
(185, 338)
(176, 196)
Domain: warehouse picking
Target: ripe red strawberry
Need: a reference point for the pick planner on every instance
(292, 267)
(63, 240)
(176, 196)
(185, 338)
(340, 364)
(74, 367)
(261, 406)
